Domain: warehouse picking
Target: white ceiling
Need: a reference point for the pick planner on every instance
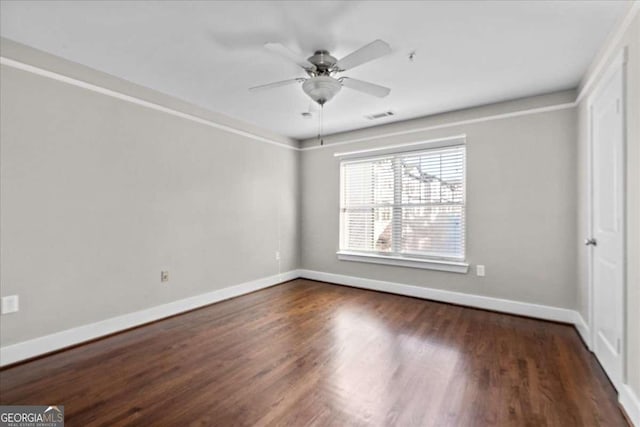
(209, 53)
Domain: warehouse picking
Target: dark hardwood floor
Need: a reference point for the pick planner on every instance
(308, 353)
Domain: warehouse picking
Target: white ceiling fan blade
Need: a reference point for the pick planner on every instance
(276, 84)
(366, 87)
(373, 50)
(289, 54)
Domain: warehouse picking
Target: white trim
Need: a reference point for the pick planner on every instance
(604, 55)
(448, 141)
(48, 343)
(134, 100)
(631, 404)
(589, 230)
(427, 264)
(59, 340)
(617, 63)
(582, 328)
(538, 311)
(443, 125)
(129, 98)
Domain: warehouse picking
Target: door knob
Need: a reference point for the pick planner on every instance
(591, 242)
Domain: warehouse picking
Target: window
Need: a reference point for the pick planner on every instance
(405, 206)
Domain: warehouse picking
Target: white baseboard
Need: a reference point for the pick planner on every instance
(489, 303)
(48, 343)
(583, 329)
(631, 404)
(627, 398)
(59, 340)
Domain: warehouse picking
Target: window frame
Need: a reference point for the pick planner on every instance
(450, 264)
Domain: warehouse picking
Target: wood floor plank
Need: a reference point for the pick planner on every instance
(310, 353)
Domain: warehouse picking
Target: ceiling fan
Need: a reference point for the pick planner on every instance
(323, 81)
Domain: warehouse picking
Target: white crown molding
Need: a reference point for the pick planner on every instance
(135, 100)
(524, 112)
(584, 89)
(46, 344)
(154, 106)
(607, 51)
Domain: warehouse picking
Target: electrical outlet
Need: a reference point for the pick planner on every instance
(164, 276)
(480, 270)
(277, 255)
(10, 304)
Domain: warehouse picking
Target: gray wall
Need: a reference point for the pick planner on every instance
(631, 40)
(99, 195)
(521, 207)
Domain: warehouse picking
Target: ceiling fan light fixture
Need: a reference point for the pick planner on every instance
(321, 89)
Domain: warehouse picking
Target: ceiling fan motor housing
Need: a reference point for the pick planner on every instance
(322, 88)
(323, 62)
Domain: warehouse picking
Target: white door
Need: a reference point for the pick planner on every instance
(607, 220)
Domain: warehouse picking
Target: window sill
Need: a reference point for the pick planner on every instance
(428, 264)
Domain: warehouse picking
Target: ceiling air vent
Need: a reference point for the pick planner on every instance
(379, 115)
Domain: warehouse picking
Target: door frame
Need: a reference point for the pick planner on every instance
(619, 62)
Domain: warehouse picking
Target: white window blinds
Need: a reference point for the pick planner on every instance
(405, 204)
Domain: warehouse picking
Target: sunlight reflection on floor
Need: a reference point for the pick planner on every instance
(359, 384)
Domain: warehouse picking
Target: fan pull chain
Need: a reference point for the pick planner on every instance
(319, 127)
(321, 124)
